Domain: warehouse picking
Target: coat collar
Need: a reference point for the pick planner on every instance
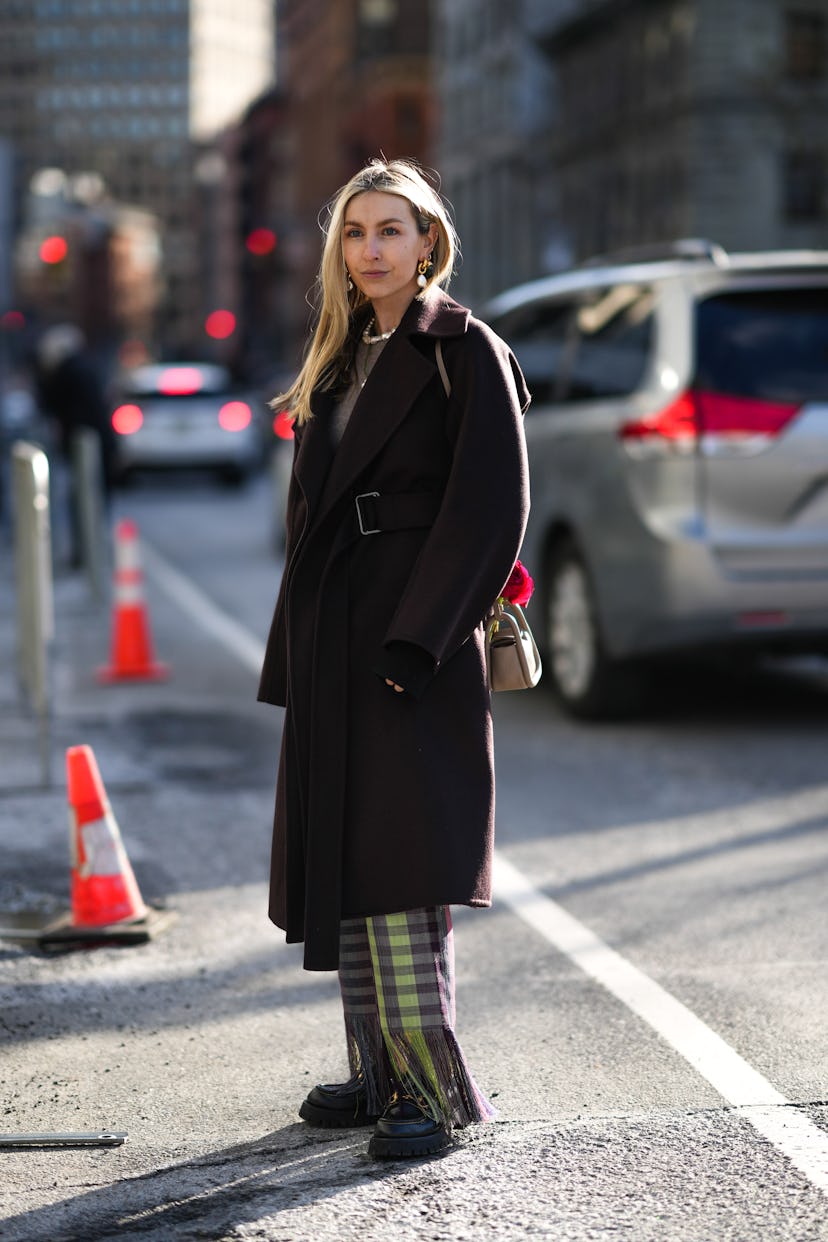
(435, 315)
(396, 382)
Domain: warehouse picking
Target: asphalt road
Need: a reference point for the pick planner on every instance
(646, 1002)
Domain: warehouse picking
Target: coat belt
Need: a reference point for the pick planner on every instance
(379, 512)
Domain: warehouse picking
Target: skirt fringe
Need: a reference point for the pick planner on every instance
(427, 1065)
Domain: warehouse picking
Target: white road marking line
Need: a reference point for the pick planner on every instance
(192, 600)
(754, 1098)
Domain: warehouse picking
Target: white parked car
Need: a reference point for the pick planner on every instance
(187, 415)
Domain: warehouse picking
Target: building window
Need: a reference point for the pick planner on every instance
(409, 119)
(377, 12)
(806, 44)
(804, 186)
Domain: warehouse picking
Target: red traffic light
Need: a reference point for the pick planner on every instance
(53, 249)
(220, 324)
(261, 241)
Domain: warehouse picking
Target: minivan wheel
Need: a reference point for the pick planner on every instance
(589, 684)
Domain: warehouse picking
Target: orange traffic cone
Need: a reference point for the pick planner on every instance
(132, 654)
(104, 890)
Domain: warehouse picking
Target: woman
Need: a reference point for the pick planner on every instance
(405, 514)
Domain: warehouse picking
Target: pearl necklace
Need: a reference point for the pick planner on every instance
(375, 340)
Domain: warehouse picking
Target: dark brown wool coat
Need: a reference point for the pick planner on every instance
(385, 801)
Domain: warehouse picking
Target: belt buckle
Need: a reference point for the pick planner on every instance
(357, 499)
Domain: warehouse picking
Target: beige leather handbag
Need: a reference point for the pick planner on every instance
(512, 658)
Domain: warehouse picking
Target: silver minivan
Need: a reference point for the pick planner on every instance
(678, 449)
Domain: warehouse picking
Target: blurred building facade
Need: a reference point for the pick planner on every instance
(649, 120)
(257, 151)
(129, 90)
(561, 129)
(357, 82)
(91, 262)
(497, 116)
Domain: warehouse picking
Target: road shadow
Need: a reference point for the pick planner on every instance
(738, 693)
(211, 1195)
(701, 691)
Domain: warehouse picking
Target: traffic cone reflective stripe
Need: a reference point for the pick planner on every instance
(104, 889)
(132, 652)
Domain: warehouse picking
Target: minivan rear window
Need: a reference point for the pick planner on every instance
(771, 344)
(590, 345)
(612, 343)
(538, 334)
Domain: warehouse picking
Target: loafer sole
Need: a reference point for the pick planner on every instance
(402, 1147)
(332, 1119)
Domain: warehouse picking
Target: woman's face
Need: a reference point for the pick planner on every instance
(382, 247)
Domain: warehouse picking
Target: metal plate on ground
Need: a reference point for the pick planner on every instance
(69, 1138)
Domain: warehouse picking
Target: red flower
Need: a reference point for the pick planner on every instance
(519, 586)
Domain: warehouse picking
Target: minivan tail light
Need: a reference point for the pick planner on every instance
(671, 430)
(743, 425)
(717, 423)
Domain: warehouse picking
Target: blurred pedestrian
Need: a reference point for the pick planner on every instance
(72, 393)
(405, 514)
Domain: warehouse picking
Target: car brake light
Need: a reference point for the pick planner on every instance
(740, 424)
(718, 423)
(283, 425)
(762, 620)
(127, 419)
(235, 416)
(180, 381)
(671, 430)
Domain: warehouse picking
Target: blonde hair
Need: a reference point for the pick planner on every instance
(338, 306)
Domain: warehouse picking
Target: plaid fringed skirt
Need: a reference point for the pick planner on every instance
(396, 975)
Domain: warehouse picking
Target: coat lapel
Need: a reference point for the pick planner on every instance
(315, 452)
(395, 383)
(324, 471)
(393, 386)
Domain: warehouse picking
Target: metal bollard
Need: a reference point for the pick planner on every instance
(86, 466)
(33, 572)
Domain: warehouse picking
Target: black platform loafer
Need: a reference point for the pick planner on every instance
(337, 1106)
(405, 1129)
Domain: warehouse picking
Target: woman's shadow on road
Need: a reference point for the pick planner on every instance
(211, 1195)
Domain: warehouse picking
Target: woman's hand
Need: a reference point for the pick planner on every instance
(393, 684)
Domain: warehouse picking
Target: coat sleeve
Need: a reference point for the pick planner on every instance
(476, 537)
(273, 679)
